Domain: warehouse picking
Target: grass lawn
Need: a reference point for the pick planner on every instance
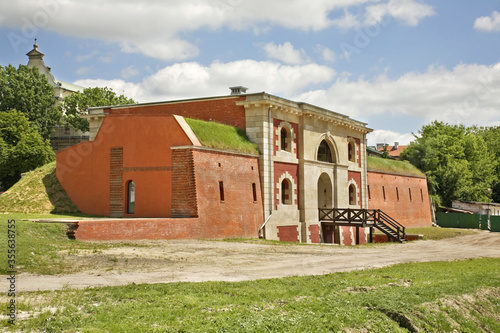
(46, 255)
(437, 233)
(39, 245)
(432, 297)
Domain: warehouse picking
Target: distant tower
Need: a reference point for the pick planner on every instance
(62, 137)
(36, 60)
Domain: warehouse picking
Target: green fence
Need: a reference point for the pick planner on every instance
(495, 223)
(458, 220)
(467, 221)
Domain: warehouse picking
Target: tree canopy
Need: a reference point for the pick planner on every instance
(22, 148)
(491, 135)
(29, 92)
(74, 105)
(456, 161)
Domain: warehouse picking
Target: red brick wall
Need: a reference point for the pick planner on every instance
(356, 177)
(277, 137)
(349, 235)
(223, 110)
(288, 233)
(279, 170)
(124, 229)
(184, 202)
(314, 231)
(411, 213)
(84, 169)
(239, 215)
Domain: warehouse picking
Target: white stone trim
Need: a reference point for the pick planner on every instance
(350, 140)
(292, 137)
(333, 147)
(293, 197)
(356, 196)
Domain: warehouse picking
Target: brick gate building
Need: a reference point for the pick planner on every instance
(145, 161)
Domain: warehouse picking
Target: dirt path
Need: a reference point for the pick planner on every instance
(194, 261)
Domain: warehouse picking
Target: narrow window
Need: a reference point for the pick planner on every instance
(131, 197)
(409, 191)
(422, 195)
(286, 187)
(369, 193)
(383, 192)
(351, 152)
(397, 193)
(352, 194)
(283, 138)
(324, 152)
(254, 191)
(221, 191)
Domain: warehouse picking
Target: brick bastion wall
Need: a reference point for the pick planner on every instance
(144, 228)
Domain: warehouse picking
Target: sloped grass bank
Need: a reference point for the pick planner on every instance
(216, 135)
(459, 296)
(38, 192)
(392, 166)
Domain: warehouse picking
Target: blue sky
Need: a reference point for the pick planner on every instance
(394, 64)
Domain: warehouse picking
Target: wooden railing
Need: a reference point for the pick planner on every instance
(364, 218)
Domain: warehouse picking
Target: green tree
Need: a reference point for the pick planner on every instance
(22, 148)
(29, 92)
(456, 161)
(491, 136)
(385, 151)
(74, 105)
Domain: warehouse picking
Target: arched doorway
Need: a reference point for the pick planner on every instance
(325, 197)
(325, 201)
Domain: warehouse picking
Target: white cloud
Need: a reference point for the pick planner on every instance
(466, 94)
(131, 90)
(326, 53)
(348, 21)
(389, 137)
(190, 79)
(157, 28)
(488, 23)
(129, 72)
(409, 12)
(285, 53)
(85, 57)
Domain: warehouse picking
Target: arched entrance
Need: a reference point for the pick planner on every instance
(325, 200)
(325, 197)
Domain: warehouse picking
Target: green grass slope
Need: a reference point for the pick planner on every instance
(392, 166)
(38, 191)
(220, 136)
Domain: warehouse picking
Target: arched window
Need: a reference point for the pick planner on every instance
(351, 148)
(286, 192)
(352, 195)
(324, 152)
(131, 197)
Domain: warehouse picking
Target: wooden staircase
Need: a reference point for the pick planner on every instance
(372, 218)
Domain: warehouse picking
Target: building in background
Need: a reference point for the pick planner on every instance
(393, 151)
(62, 137)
